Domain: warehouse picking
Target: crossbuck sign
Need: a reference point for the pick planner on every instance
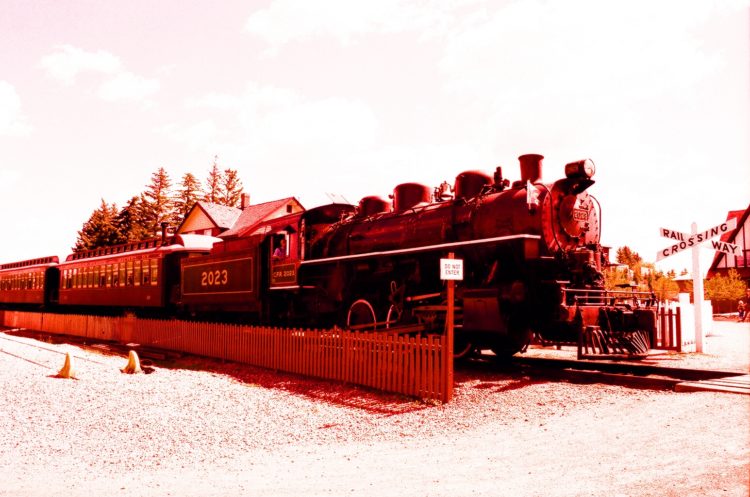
(684, 241)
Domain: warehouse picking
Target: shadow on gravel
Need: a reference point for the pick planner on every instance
(331, 392)
(485, 376)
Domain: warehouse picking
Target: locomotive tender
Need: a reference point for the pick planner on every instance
(531, 252)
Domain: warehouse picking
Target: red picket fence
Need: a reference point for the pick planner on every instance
(411, 366)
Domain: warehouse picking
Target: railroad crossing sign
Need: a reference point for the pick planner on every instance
(683, 241)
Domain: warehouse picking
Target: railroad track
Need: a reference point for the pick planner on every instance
(576, 371)
(628, 375)
(5, 337)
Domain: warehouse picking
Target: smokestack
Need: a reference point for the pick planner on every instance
(531, 167)
(244, 201)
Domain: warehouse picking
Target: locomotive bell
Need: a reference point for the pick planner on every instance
(531, 167)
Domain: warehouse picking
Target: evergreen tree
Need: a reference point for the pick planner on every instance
(634, 262)
(100, 230)
(187, 195)
(213, 183)
(158, 205)
(131, 221)
(628, 257)
(230, 191)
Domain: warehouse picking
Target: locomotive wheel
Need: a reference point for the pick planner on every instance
(361, 316)
(515, 342)
(462, 348)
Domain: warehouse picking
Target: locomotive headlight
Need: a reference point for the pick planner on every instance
(580, 169)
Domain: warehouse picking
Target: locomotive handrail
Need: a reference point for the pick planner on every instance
(609, 297)
(421, 248)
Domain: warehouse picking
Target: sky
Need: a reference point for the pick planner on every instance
(350, 98)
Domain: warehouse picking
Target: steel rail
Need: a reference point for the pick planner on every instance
(583, 371)
(4, 337)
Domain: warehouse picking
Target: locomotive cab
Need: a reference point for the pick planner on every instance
(283, 258)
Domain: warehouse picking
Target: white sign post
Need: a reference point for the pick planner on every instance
(693, 241)
(451, 270)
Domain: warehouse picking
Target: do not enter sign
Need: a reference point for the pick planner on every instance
(451, 269)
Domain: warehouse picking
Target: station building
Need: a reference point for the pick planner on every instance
(206, 218)
(740, 236)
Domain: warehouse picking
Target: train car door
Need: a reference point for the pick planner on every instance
(284, 259)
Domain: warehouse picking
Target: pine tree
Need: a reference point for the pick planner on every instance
(231, 189)
(213, 183)
(158, 204)
(187, 195)
(100, 230)
(131, 222)
(634, 262)
(626, 256)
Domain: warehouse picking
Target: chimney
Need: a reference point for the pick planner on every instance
(531, 167)
(244, 201)
(164, 227)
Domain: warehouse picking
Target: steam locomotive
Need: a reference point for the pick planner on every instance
(530, 250)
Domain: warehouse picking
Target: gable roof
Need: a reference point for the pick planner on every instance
(729, 237)
(223, 216)
(203, 215)
(255, 214)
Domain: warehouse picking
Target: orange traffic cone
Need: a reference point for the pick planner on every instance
(67, 370)
(133, 365)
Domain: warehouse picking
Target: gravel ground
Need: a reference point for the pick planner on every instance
(196, 427)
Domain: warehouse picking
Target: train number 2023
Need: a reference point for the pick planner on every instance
(215, 278)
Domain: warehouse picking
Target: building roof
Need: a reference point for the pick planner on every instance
(255, 214)
(741, 216)
(223, 216)
(738, 215)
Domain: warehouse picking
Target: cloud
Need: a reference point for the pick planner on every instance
(127, 86)
(285, 140)
(578, 47)
(12, 121)
(8, 180)
(118, 84)
(67, 62)
(285, 21)
(203, 135)
(268, 116)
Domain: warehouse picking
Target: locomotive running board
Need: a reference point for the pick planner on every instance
(441, 246)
